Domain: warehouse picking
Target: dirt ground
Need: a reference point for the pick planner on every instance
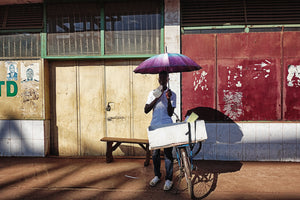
(93, 178)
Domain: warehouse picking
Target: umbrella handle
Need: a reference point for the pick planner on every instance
(168, 83)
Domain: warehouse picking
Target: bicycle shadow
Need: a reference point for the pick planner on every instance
(205, 175)
(206, 172)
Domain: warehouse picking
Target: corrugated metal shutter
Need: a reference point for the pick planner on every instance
(238, 12)
(212, 12)
(273, 12)
(21, 16)
(2, 14)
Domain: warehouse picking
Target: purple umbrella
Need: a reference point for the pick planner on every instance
(169, 62)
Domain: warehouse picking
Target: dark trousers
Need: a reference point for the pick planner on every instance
(168, 162)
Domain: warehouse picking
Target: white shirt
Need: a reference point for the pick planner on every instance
(160, 109)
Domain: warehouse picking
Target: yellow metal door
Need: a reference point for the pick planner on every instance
(91, 108)
(93, 99)
(118, 110)
(66, 120)
(126, 95)
(79, 115)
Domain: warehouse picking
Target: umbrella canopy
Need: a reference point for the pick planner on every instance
(169, 62)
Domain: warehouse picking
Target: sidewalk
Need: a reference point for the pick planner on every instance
(92, 178)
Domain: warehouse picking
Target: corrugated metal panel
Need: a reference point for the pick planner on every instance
(291, 76)
(237, 12)
(213, 12)
(2, 16)
(21, 16)
(273, 12)
(241, 76)
(198, 87)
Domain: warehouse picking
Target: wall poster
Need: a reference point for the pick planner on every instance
(21, 91)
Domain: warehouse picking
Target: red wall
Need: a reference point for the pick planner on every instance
(291, 76)
(199, 87)
(243, 75)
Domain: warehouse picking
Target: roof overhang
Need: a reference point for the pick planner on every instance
(9, 2)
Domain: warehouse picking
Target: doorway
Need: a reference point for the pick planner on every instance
(94, 99)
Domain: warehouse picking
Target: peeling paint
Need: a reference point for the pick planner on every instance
(293, 77)
(263, 71)
(234, 78)
(200, 82)
(233, 104)
(263, 64)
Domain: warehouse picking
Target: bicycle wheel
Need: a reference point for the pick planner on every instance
(187, 171)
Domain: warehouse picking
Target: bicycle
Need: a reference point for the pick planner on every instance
(185, 155)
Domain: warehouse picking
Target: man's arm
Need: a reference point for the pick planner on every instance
(149, 107)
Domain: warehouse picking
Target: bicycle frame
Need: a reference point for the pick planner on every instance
(190, 154)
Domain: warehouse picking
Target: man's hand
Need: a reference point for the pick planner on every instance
(168, 94)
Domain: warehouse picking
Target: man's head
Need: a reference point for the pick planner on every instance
(29, 74)
(163, 78)
(12, 68)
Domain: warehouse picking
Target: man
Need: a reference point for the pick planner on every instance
(12, 75)
(163, 103)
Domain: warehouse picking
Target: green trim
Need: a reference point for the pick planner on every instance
(245, 27)
(212, 27)
(273, 26)
(43, 44)
(102, 31)
(98, 57)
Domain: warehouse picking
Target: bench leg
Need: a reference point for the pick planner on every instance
(109, 150)
(146, 163)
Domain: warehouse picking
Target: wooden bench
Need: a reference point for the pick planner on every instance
(144, 143)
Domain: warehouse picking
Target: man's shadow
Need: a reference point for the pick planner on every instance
(205, 173)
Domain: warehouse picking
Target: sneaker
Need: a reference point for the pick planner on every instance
(154, 181)
(168, 185)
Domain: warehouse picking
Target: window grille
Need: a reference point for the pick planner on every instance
(20, 17)
(20, 46)
(73, 29)
(132, 27)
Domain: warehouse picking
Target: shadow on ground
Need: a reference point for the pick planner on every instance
(205, 176)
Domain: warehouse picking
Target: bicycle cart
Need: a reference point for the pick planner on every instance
(185, 154)
(186, 137)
